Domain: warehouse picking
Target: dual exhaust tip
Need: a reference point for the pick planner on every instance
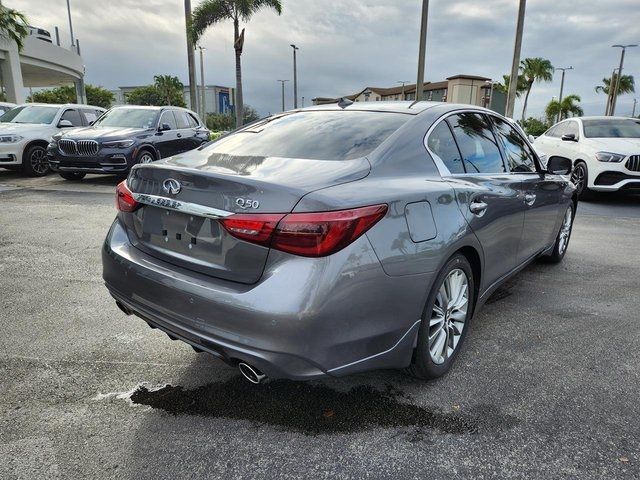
(252, 374)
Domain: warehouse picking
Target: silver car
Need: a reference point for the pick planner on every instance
(336, 239)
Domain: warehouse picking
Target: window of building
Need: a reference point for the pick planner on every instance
(477, 143)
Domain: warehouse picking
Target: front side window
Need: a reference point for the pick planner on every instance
(72, 116)
(442, 144)
(605, 128)
(316, 135)
(129, 118)
(519, 156)
(477, 143)
(168, 118)
(571, 129)
(181, 119)
(30, 114)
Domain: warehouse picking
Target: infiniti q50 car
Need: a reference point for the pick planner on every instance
(336, 239)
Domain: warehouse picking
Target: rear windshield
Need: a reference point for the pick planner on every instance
(618, 128)
(129, 117)
(326, 135)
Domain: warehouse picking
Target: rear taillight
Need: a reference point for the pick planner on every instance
(124, 198)
(316, 234)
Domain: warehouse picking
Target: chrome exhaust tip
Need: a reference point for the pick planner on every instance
(252, 374)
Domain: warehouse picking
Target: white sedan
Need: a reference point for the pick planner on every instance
(605, 152)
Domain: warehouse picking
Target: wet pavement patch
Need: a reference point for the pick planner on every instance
(315, 409)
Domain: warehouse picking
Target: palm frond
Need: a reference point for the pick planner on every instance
(208, 13)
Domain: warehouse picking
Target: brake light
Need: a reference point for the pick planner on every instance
(316, 234)
(124, 198)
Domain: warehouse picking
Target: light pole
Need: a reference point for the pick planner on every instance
(515, 63)
(73, 40)
(191, 63)
(282, 82)
(633, 112)
(422, 50)
(564, 69)
(203, 105)
(403, 82)
(617, 87)
(607, 108)
(295, 77)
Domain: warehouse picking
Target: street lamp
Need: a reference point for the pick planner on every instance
(203, 105)
(282, 82)
(295, 77)
(564, 69)
(515, 63)
(422, 50)
(403, 82)
(635, 102)
(617, 86)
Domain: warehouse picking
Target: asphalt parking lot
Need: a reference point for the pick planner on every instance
(547, 386)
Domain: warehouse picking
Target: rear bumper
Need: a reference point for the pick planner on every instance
(304, 319)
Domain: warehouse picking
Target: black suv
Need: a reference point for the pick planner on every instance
(123, 137)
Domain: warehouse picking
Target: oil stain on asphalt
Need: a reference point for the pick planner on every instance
(315, 409)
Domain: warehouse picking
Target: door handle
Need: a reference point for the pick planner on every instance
(179, 135)
(478, 207)
(529, 199)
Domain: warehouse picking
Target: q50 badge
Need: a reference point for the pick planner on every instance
(247, 203)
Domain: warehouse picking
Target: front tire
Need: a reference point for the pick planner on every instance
(564, 235)
(145, 156)
(72, 175)
(580, 178)
(34, 161)
(445, 320)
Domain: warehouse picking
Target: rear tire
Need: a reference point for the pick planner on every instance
(445, 320)
(564, 235)
(34, 161)
(580, 178)
(72, 175)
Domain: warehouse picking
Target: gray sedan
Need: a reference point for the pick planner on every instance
(336, 239)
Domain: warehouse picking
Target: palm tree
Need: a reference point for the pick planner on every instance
(504, 87)
(534, 70)
(170, 89)
(568, 107)
(13, 26)
(627, 85)
(211, 12)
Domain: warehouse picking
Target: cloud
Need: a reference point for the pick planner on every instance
(346, 45)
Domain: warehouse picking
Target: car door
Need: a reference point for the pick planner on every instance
(186, 133)
(539, 192)
(487, 195)
(167, 141)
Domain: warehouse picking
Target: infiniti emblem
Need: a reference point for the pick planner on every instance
(171, 186)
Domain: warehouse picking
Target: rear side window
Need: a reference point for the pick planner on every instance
(477, 143)
(518, 154)
(442, 144)
(90, 115)
(193, 123)
(317, 135)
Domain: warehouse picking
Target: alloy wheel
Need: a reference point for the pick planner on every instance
(448, 316)
(146, 158)
(565, 230)
(38, 161)
(577, 177)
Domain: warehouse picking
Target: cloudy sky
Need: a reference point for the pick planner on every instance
(346, 45)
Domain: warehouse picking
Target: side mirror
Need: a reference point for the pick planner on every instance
(531, 138)
(569, 137)
(64, 124)
(559, 165)
(164, 127)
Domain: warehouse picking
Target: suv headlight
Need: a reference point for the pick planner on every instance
(609, 157)
(119, 144)
(10, 138)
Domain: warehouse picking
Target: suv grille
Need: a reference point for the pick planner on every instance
(633, 163)
(84, 148)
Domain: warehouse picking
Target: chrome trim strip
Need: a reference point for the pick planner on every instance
(179, 206)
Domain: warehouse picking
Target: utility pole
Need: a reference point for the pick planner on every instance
(561, 89)
(617, 86)
(282, 82)
(295, 78)
(203, 105)
(403, 82)
(193, 97)
(607, 109)
(515, 63)
(73, 39)
(422, 50)
(635, 102)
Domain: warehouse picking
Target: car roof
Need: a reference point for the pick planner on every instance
(59, 105)
(409, 107)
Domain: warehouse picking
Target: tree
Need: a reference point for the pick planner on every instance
(148, 95)
(170, 89)
(13, 26)
(627, 85)
(504, 87)
(211, 12)
(568, 107)
(98, 96)
(534, 70)
(535, 126)
(219, 122)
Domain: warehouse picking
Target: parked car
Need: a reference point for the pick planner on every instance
(605, 152)
(6, 106)
(40, 33)
(336, 239)
(25, 132)
(123, 137)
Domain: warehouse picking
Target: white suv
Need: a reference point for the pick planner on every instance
(25, 132)
(605, 152)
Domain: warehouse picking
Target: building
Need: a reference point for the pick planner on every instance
(217, 99)
(470, 89)
(39, 64)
